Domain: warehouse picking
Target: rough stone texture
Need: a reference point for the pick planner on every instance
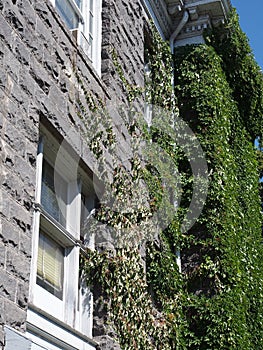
(37, 84)
(2, 334)
(107, 343)
(123, 30)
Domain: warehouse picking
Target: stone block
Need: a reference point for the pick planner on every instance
(14, 315)
(29, 130)
(31, 41)
(18, 96)
(14, 139)
(18, 265)
(2, 333)
(43, 105)
(6, 207)
(45, 10)
(40, 76)
(45, 37)
(107, 343)
(1, 121)
(31, 148)
(2, 252)
(6, 34)
(16, 21)
(22, 294)
(8, 109)
(16, 214)
(27, 83)
(27, 11)
(58, 101)
(9, 234)
(2, 316)
(17, 189)
(7, 285)
(25, 243)
(24, 169)
(3, 77)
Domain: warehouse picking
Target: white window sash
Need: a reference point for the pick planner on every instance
(66, 309)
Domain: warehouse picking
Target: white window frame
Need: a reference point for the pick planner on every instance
(42, 303)
(82, 33)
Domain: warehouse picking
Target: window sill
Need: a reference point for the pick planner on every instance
(48, 328)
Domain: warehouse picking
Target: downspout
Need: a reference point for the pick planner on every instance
(182, 23)
(184, 20)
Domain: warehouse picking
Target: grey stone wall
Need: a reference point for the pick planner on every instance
(38, 82)
(123, 31)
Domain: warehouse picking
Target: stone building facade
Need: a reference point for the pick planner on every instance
(57, 56)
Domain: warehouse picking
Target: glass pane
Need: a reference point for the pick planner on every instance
(50, 265)
(53, 199)
(85, 210)
(91, 24)
(86, 218)
(90, 47)
(79, 3)
(68, 13)
(91, 6)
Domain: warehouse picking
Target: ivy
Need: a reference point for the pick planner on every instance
(242, 72)
(216, 301)
(222, 262)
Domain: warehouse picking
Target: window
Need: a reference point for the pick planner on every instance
(63, 202)
(50, 265)
(70, 11)
(54, 202)
(83, 18)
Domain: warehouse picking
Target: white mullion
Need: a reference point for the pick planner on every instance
(39, 169)
(36, 218)
(97, 35)
(74, 208)
(71, 285)
(72, 253)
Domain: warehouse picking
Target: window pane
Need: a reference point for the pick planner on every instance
(50, 265)
(90, 47)
(87, 211)
(53, 201)
(68, 13)
(79, 3)
(91, 6)
(91, 24)
(83, 217)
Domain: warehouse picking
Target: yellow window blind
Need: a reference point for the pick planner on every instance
(50, 264)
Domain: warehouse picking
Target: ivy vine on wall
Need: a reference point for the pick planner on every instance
(216, 302)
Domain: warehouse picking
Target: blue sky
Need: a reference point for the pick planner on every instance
(250, 16)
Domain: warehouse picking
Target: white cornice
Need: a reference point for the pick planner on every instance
(167, 14)
(159, 13)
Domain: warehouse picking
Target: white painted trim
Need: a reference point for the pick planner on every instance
(98, 39)
(47, 301)
(74, 212)
(208, 2)
(151, 15)
(36, 219)
(61, 311)
(45, 331)
(83, 30)
(39, 169)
